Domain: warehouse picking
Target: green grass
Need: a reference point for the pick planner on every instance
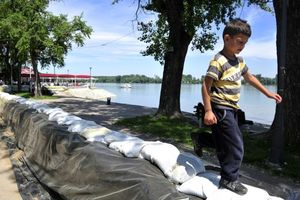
(27, 95)
(257, 149)
(175, 129)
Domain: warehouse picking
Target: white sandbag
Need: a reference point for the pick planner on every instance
(42, 108)
(54, 116)
(8, 97)
(37, 105)
(202, 185)
(275, 198)
(130, 147)
(115, 136)
(187, 166)
(164, 155)
(68, 119)
(81, 125)
(98, 138)
(4, 95)
(21, 100)
(206, 185)
(50, 110)
(93, 132)
(30, 103)
(253, 193)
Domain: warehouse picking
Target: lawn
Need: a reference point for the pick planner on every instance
(28, 95)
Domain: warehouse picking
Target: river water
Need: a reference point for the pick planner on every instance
(256, 106)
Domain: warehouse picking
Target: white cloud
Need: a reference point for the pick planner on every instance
(261, 48)
(115, 41)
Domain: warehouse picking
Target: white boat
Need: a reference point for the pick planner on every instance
(126, 85)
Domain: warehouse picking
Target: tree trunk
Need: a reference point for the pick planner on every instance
(179, 39)
(286, 125)
(277, 128)
(19, 68)
(37, 85)
(7, 76)
(292, 81)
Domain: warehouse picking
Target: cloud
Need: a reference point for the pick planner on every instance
(261, 48)
(264, 48)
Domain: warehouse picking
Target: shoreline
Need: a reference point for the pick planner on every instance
(102, 95)
(103, 114)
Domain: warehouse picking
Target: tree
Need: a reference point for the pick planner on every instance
(179, 24)
(292, 82)
(285, 126)
(11, 29)
(40, 37)
(48, 38)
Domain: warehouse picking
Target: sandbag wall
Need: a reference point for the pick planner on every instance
(80, 159)
(77, 169)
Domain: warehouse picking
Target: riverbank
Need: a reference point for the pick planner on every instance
(106, 115)
(87, 93)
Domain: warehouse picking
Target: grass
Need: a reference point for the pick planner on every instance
(257, 149)
(175, 129)
(27, 95)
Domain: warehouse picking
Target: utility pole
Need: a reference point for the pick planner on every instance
(90, 77)
(11, 79)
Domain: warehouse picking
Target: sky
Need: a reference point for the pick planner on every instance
(114, 49)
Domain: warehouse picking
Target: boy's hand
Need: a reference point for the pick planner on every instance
(275, 96)
(210, 118)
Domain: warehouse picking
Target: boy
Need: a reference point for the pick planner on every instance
(221, 93)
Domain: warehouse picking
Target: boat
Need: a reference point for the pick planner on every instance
(126, 85)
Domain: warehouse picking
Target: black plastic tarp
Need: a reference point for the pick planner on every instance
(76, 169)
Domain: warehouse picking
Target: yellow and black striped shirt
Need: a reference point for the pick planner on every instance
(227, 74)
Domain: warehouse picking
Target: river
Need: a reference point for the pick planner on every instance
(256, 106)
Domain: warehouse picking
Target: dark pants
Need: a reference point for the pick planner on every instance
(229, 143)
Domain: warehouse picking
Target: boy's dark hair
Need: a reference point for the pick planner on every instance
(237, 26)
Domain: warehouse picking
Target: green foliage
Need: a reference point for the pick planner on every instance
(188, 79)
(198, 18)
(29, 31)
(264, 80)
(128, 79)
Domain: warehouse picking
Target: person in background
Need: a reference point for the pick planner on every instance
(221, 93)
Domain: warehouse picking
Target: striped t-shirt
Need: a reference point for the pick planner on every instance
(227, 74)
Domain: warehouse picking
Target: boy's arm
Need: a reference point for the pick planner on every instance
(209, 117)
(255, 83)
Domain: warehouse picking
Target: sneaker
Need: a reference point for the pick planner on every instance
(234, 186)
(196, 145)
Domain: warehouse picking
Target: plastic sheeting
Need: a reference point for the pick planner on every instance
(77, 169)
(179, 167)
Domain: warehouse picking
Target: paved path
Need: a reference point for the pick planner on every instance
(9, 189)
(98, 111)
